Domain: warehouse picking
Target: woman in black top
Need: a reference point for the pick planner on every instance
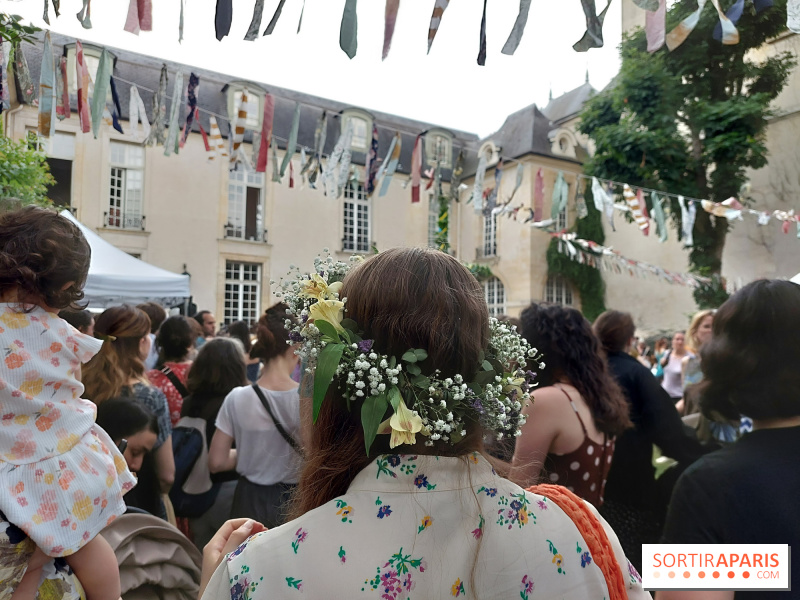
(747, 493)
(218, 368)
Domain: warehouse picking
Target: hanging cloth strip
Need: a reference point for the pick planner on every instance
(101, 84)
(603, 202)
(85, 14)
(436, 19)
(348, 32)
(173, 134)
(291, 145)
(371, 168)
(180, 25)
(688, 216)
(136, 112)
(56, 7)
(303, 159)
(729, 209)
(330, 175)
(512, 43)
(266, 134)
(63, 108)
(5, 55)
(191, 97)
(593, 38)
(314, 163)
(655, 27)
(346, 160)
(793, 15)
(660, 218)
(389, 166)
(676, 37)
(734, 13)
(538, 197)
(140, 16)
(632, 200)
(276, 170)
(455, 177)
(581, 209)
(217, 143)
(274, 20)
(82, 78)
(116, 110)
(477, 188)
(238, 125)
(518, 181)
(23, 75)
(645, 214)
(223, 18)
(482, 50)
(648, 5)
(255, 24)
(302, 12)
(159, 111)
(291, 174)
(560, 196)
(390, 20)
(47, 91)
(498, 180)
(416, 168)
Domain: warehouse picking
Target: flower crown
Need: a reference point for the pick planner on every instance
(331, 347)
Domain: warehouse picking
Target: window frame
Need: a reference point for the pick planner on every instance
(89, 52)
(234, 231)
(126, 166)
(359, 200)
(232, 103)
(357, 113)
(240, 312)
(432, 156)
(558, 290)
(489, 246)
(493, 288)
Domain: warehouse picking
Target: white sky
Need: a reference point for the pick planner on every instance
(447, 87)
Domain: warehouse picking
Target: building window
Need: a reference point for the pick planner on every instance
(495, 293)
(433, 221)
(563, 217)
(558, 291)
(242, 292)
(255, 98)
(126, 187)
(245, 206)
(490, 235)
(60, 152)
(356, 219)
(92, 57)
(362, 128)
(439, 149)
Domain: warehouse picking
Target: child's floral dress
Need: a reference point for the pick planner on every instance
(61, 477)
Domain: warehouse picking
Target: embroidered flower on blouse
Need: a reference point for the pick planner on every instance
(427, 521)
(299, 537)
(457, 588)
(478, 533)
(384, 511)
(526, 588)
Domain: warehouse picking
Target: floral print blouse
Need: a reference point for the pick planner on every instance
(417, 527)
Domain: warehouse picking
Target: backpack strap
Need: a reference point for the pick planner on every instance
(170, 374)
(289, 439)
(593, 533)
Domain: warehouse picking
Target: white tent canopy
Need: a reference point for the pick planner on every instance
(795, 279)
(116, 277)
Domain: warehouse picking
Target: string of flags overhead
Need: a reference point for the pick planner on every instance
(140, 18)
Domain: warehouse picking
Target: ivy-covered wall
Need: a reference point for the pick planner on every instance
(587, 280)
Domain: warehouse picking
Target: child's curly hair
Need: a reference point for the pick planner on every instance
(40, 253)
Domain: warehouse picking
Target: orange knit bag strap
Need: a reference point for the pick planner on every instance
(593, 533)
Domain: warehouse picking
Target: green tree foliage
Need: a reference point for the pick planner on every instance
(12, 30)
(24, 174)
(586, 279)
(691, 121)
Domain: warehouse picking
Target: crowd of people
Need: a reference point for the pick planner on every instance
(227, 436)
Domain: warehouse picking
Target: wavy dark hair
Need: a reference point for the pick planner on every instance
(174, 340)
(572, 353)
(241, 331)
(218, 368)
(750, 363)
(40, 253)
(271, 334)
(614, 330)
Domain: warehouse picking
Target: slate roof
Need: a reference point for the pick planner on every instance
(145, 72)
(568, 105)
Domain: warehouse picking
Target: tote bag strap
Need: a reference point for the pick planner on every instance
(289, 439)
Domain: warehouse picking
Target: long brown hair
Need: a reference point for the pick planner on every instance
(119, 360)
(572, 351)
(403, 298)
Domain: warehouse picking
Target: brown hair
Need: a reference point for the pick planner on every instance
(614, 330)
(403, 298)
(156, 313)
(271, 334)
(118, 360)
(40, 253)
(218, 368)
(693, 344)
(572, 351)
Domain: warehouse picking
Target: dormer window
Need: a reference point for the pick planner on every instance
(255, 97)
(362, 128)
(91, 54)
(439, 148)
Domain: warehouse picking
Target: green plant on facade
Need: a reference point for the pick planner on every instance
(24, 175)
(12, 30)
(587, 280)
(691, 121)
(480, 272)
(443, 224)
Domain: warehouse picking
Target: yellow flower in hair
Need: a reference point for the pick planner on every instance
(331, 311)
(404, 426)
(318, 288)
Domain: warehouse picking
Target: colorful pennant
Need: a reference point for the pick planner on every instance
(519, 28)
(173, 133)
(390, 20)
(116, 110)
(416, 168)
(5, 50)
(560, 195)
(45, 16)
(389, 166)
(274, 20)
(255, 23)
(439, 7)
(23, 75)
(238, 125)
(291, 146)
(47, 91)
(482, 50)
(348, 32)
(371, 166)
(477, 188)
(455, 177)
(159, 111)
(140, 16)
(688, 216)
(223, 18)
(101, 85)
(217, 143)
(538, 197)
(266, 134)
(593, 38)
(191, 99)
(136, 113)
(660, 218)
(655, 27)
(85, 14)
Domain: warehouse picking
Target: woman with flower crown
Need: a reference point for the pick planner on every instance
(396, 499)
